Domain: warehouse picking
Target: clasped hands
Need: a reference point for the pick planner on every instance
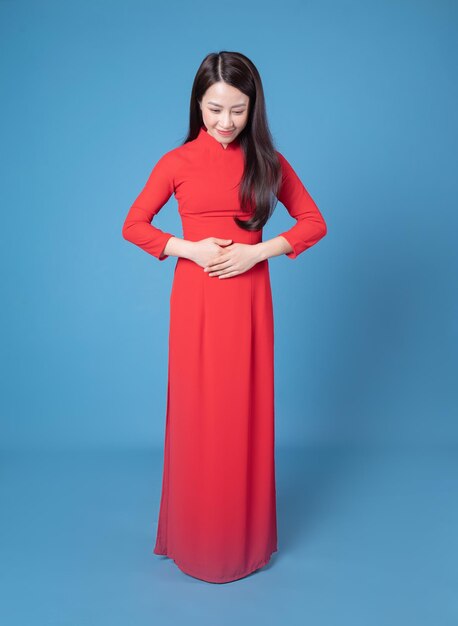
(222, 258)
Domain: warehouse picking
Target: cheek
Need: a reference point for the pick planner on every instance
(242, 120)
(209, 117)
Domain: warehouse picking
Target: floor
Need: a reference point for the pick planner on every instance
(367, 537)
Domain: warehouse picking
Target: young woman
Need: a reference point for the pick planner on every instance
(217, 517)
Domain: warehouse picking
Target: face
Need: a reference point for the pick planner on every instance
(224, 108)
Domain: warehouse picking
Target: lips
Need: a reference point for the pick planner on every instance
(225, 132)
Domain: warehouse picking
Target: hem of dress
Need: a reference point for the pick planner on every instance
(219, 579)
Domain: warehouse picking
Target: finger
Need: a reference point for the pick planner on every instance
(214, 267)
(215, 273)
(221, 242)
(225, 271)
(236, 273)
(220, 258)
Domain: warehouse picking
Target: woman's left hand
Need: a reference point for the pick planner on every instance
(233, 260)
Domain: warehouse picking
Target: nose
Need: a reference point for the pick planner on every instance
(227, 122)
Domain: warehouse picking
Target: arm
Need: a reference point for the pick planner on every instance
(137, 227)
(310, 226)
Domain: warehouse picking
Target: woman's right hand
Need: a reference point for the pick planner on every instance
(206, 249)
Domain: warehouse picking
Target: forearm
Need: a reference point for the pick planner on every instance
(176, 246)
(273, 247)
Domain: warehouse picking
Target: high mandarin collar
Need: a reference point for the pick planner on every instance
(214, 144)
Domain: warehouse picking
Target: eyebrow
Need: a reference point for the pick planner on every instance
(234, 107)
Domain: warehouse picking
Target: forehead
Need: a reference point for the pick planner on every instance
(225, 95)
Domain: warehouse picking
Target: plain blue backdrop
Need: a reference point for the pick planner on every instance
(362, 100)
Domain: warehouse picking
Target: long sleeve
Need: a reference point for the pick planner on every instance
(310, 226)
(137, 227)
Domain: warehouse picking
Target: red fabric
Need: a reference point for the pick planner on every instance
(310, 226)
(217, 517)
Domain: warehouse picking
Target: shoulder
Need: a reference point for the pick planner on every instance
(167, 163)
(168, 158)
(175, 156)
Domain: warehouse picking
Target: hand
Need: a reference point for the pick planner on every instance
(205, 250)
(234, 259)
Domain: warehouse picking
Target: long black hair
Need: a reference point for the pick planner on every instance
(261, 179)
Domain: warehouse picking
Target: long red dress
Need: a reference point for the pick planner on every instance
(217, 517)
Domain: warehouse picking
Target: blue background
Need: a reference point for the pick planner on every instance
(362, 100)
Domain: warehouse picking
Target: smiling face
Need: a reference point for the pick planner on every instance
(224, 108)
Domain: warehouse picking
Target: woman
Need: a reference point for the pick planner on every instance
(217, 517)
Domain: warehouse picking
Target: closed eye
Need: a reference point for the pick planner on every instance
(218, 111)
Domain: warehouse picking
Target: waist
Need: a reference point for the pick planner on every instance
(200, 226)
